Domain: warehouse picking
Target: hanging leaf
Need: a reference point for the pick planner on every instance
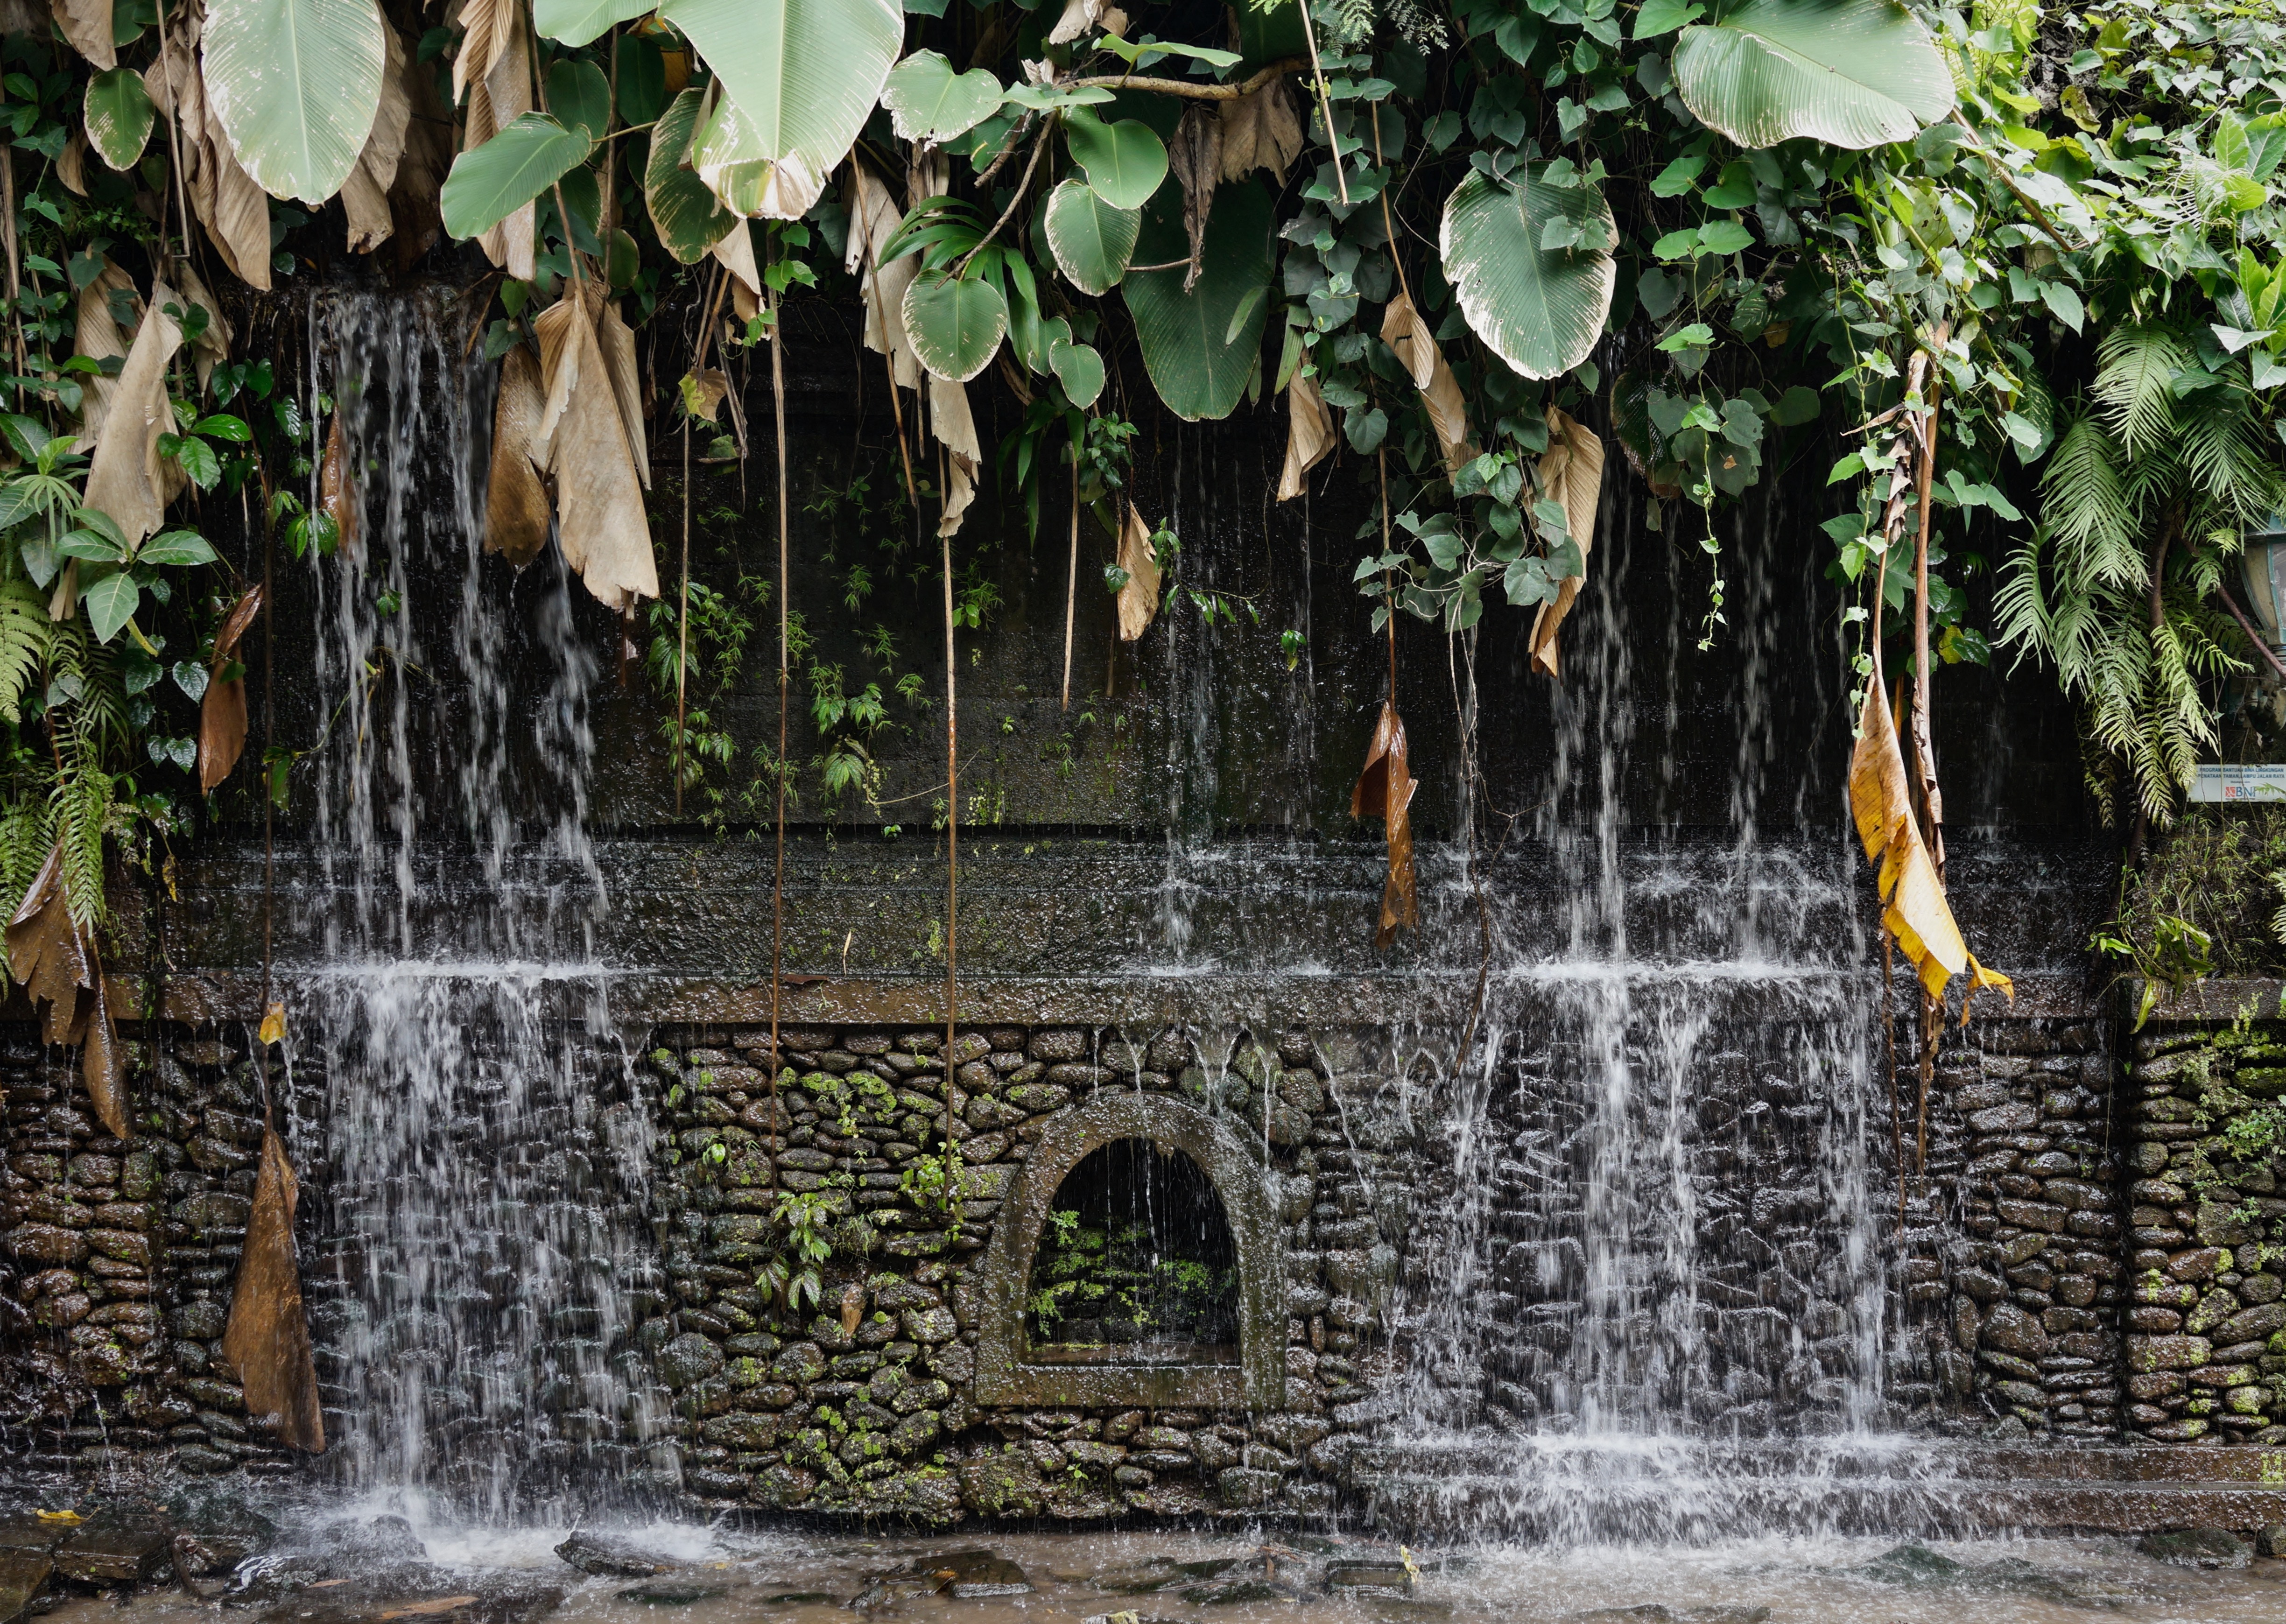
(955, 323)
(234, 210)
(1196, 157)
(1201, 347)
(1540, 310)
(1570, 475)
(576, 22)
(364, 194)
(268, 1338)
(273, 1025)
(582, 441)
(1408, 338)
(516, 497)
(689, 217)
(297, 84)
(804, 72)
(616, 341)
(87, 25)
(1261, 131)
(1093, 242)
(111, 604)
(1850, 73)
(1384, 789)
(872, 222)
(1124, 162)
(118, 116)
(489, 183)
(124, 478)
(1139, 593)
(955, 427)
(1079, 370)
(927, 101)
(1309, 435)
(337, 497)
(222, 709)
(731, 156)
(99, 337)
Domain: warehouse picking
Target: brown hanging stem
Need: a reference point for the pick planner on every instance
(1071, 580)
(1924, 752)
(1888, 943)
(889, 364)
(951, 818)
(785, 583)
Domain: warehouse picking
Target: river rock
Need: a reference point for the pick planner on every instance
(689, 1359)
(593, 1553)
(2197, 1548)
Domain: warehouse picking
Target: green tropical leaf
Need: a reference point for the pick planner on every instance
(576, 22)
(489, 183)
(1124, 162)
(1851, 73)
(928, 101)
(689, 217)
(179, 547)
(804, 72)
(1540, 310)
(1093, 242)
(1197, 364)
(118, 116)
(956, 323)
(1079, 370)
(297, 84)
(111, 604)
(579, 97)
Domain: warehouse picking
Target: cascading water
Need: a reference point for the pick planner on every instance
(486, 1166)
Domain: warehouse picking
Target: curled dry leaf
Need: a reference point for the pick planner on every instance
(1915, 911)
(124, 478)
(222, 709)
(1407, 335)
(1196, 157)
(582, 444)
(273, 1024)
(735, 252)
(102, 338)
(87, 25)
(232, 207)
(955, 426)
(212, 345)
(1570, 474)
(365, 193)
(1261, 131)
(55, 958)
(496, 99)
(617, 344)
(703, 392)
(1138, 599)
(337, 493)
(71, 164)
(1384, 789)
(268, 1337)
(1309, 434)
(1079, 16)
(489, 31)
(882, 287)
(516, 497)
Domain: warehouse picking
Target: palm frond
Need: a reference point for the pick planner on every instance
(2135, 374)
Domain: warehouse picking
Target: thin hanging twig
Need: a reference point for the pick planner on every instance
(1071, 581)
(952, 817)
(1889, 946)
(777, 882)
(1325, 100)
(1925, 757)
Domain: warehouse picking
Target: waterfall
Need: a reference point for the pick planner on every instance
(484, 1224)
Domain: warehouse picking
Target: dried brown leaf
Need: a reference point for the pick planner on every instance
(1079, 16)
(365, 192)
(955, 426)
(232, 207)
(101, 337)
(337, 490)
(71, 164)
(496, 100)
(222, 711)
(49, 954)
(1407, 335)
(1384, 789)
(617, 341)
(1261, 131)
(123, 477)
(1570, 474)
(488, 29)
(1309, 434)
(103, 1060)
(87, 25)
(1138, 599)
(1196, 157)
(1880, 803)
(212, 345)
(703, 392)
(601, 523)
(268, 1337)
(882, 287)
(416, 206)
(516, 497)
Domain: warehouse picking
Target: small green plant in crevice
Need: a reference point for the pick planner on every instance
(792, 1275)
(2207, 901)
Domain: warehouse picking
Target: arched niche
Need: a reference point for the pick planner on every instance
(1010, 1372)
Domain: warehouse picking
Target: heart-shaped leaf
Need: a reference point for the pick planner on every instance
(1197, 363)
(295, 84)
(928, 101)
(579, 97)
(1540, 310)
(955, 323)
(111, 604)
(118, 116)
(489, 183)
(1850, 73)
(1093, 242)
(690, 219)
(1124, 162)
(1079, 370)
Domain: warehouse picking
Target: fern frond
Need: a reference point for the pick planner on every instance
(2135, 374)
(2095, 520)
(24, 638)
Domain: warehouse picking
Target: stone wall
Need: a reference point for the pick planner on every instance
(2013, 1275)
(869, 1407)
(2207, 1352)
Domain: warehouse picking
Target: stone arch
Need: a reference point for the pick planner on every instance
(1004, 1374)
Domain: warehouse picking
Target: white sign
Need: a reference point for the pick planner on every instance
(2264, 782)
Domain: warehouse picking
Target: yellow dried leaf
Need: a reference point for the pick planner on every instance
(1915, 911)
(1570, 475)
(268, 1337)
(1410, 339)
(1309, 434)
(273, 1024)
(599, 519)
(1138, 599)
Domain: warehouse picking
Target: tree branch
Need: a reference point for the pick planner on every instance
(2253, 637)
(1185, 87)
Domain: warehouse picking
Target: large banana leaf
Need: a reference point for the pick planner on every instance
(575, 22)
(1093, 242)
(1201, 347)
(1541, 309)
(688, 216)
(489, 183)
(805, 74)
(295, 84)
(1851, 73)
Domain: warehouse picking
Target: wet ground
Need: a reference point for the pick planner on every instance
(360, 1570)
